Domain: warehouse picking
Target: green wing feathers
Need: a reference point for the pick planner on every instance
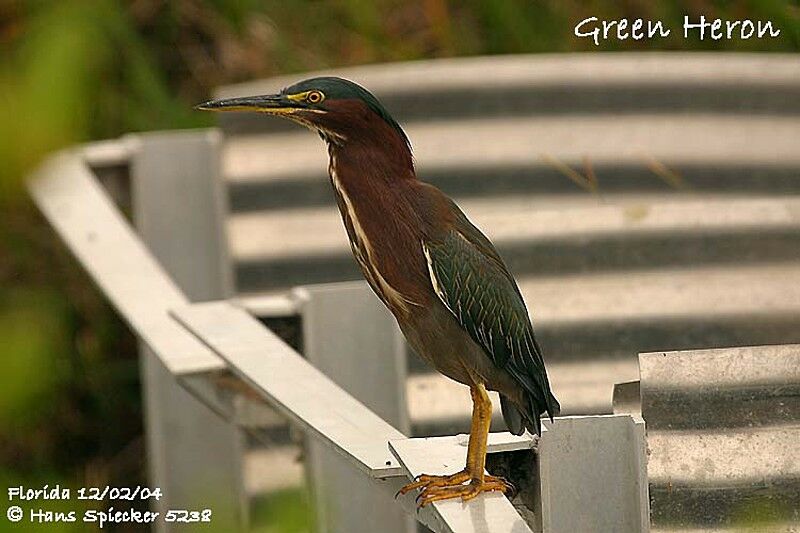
(471, 280)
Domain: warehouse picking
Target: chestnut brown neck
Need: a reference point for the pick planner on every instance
(373, 179)
(366, 145)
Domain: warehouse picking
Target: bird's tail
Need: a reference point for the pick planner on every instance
(519, 418)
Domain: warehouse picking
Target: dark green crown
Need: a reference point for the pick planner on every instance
(339, 88)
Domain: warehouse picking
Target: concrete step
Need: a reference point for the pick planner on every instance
(542, 179)
(541, 235)
(767, 290)
(277, 235)
(543, 84)
(488, 143)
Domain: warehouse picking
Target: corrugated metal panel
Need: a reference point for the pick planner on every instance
(722, 430)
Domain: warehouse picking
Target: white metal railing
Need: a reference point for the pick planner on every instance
(196, 343)
(108, 248)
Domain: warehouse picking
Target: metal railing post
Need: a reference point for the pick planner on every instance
(593, 475)
(351, 338)
(194, 456)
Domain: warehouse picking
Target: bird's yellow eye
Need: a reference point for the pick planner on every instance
(314, 97)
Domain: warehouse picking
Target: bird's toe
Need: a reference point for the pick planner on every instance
(464, 491)
(426, 481)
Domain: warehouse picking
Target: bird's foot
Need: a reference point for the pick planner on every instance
(459, 485)
(425, 481)
(466, 492)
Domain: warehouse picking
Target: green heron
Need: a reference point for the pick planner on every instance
(445, 283)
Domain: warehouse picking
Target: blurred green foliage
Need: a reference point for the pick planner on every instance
(76, 70)
(35, 369)
(291, 506)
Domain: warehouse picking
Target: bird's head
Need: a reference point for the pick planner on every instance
(338, 109)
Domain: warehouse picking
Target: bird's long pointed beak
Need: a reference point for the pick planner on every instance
(272, 103)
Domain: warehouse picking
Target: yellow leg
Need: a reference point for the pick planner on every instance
(479, 432)
(435, 488)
